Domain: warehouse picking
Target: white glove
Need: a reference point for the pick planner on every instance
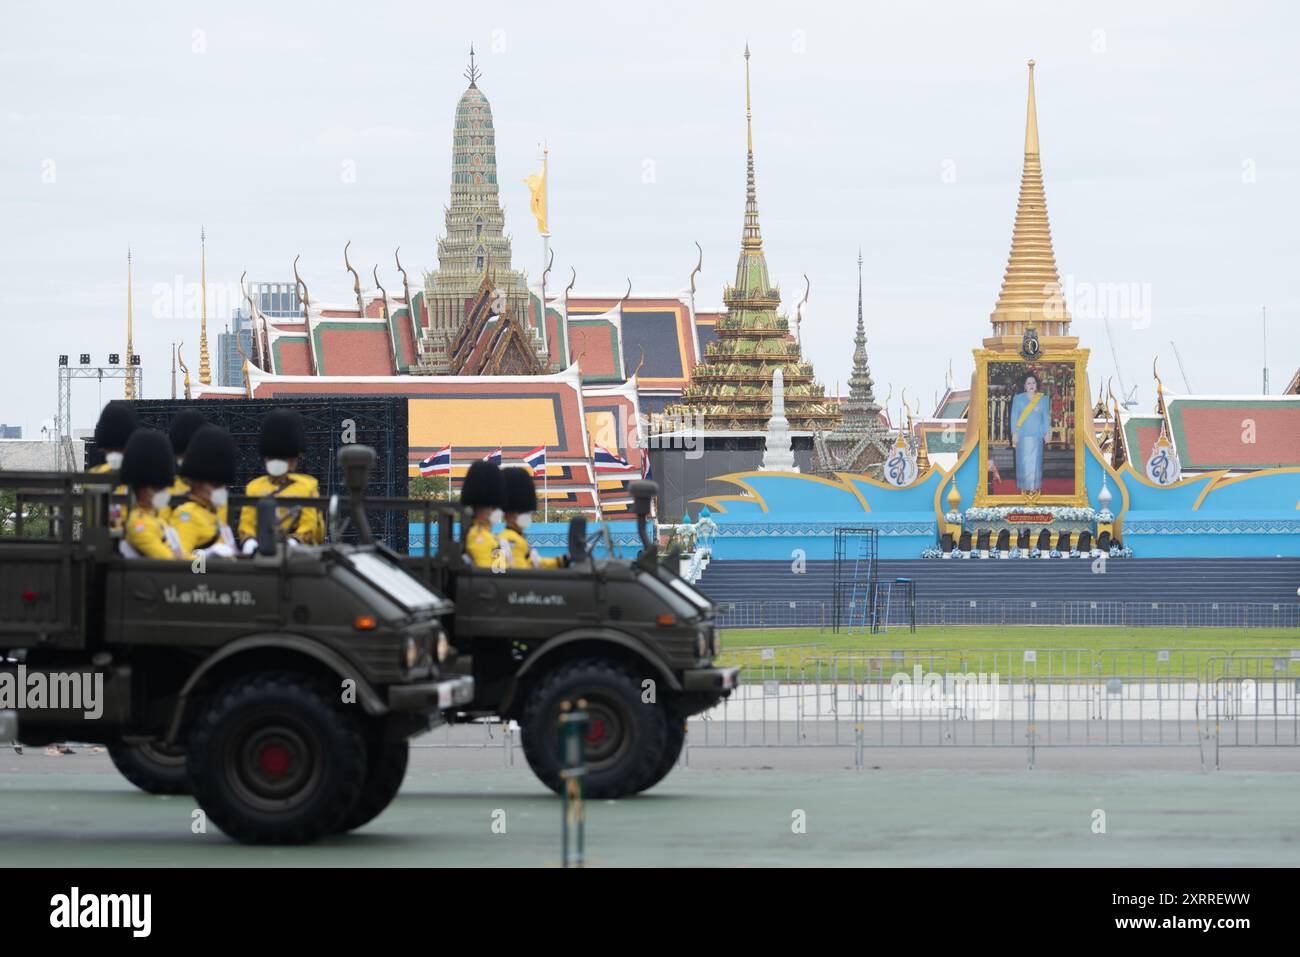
(220, 550)
(250, 546)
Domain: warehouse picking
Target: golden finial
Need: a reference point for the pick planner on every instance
(798, 312)
(749, 114)
(698, 266)
(627, 295)
(550, 261)
(300, 286)
(1031, 119)
(130, 347)
(252, 319)
(205, 366)
(383, 294)
(185, 369)
(639, 364)
(398, 260)
(473, 73)
(356, 280)
(239, 347)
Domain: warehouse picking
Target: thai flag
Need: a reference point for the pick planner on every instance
(493, 457)
(439, 463)
(607, 461)
(645, 466)
(536, 459)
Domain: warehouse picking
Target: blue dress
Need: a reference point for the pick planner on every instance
(1030, 436)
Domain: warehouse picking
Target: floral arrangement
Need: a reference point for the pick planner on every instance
(953, 518)
(932, 553)
(1066, 513)
(1105, 516)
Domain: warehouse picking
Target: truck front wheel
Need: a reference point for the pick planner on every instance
(153, 767)
(626, 737)
(272, 760)
(385, 770)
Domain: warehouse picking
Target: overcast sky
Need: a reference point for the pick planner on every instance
(1170, 151)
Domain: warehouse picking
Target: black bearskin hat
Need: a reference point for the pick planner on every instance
(210, 457)
(183, 428)
(521, 493)
(283, 436)
(148, 460)
(115, 425)
(483, 486)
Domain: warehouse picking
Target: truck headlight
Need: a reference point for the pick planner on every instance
(702, 643)
(410, 652)
(444, 647)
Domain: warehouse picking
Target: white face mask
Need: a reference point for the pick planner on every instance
(161, 499)
(276, 467)
(524, 520)
(220, 497)
(114, 460)
(496, 516)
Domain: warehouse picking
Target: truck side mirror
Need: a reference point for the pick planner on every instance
(578, 539)
(268, 530)
(356, 462)
(643, 493)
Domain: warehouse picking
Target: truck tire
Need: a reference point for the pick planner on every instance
(273, 761)
(672, 751)
(627, 737)
(153, 767)
(385, 770)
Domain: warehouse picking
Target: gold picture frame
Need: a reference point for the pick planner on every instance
(1078, 359)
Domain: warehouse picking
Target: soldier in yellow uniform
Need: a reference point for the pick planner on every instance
(521, 502)
(200, 522)
(148, 468)
(181, 431)
(282, 442)
(117, 421)
(484, 491)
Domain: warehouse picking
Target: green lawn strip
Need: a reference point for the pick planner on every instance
(1157, 653)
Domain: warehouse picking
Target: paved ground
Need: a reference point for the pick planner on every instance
(730, 808)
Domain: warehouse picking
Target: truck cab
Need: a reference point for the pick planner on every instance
(280, 689)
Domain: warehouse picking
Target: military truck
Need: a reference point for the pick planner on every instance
(631, 637)
(280, 689)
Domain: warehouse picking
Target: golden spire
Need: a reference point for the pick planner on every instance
(1031, 287)
(205, 367)
(751, 238)
(130, 346)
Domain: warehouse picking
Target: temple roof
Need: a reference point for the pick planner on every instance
(1240, 433)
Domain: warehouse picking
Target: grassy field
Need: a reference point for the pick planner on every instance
(1011, 650)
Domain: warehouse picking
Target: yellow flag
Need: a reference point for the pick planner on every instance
(537, 186)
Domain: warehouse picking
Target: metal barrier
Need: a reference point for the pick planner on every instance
(817, 613)
(823, 697)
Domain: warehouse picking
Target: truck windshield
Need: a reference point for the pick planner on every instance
(393, 581)
(681, 607)
(687, 590)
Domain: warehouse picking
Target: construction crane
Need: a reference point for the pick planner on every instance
(1129, 401)
(1181, 370)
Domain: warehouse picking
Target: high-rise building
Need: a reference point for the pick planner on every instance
(275, 300)
(475, 243)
